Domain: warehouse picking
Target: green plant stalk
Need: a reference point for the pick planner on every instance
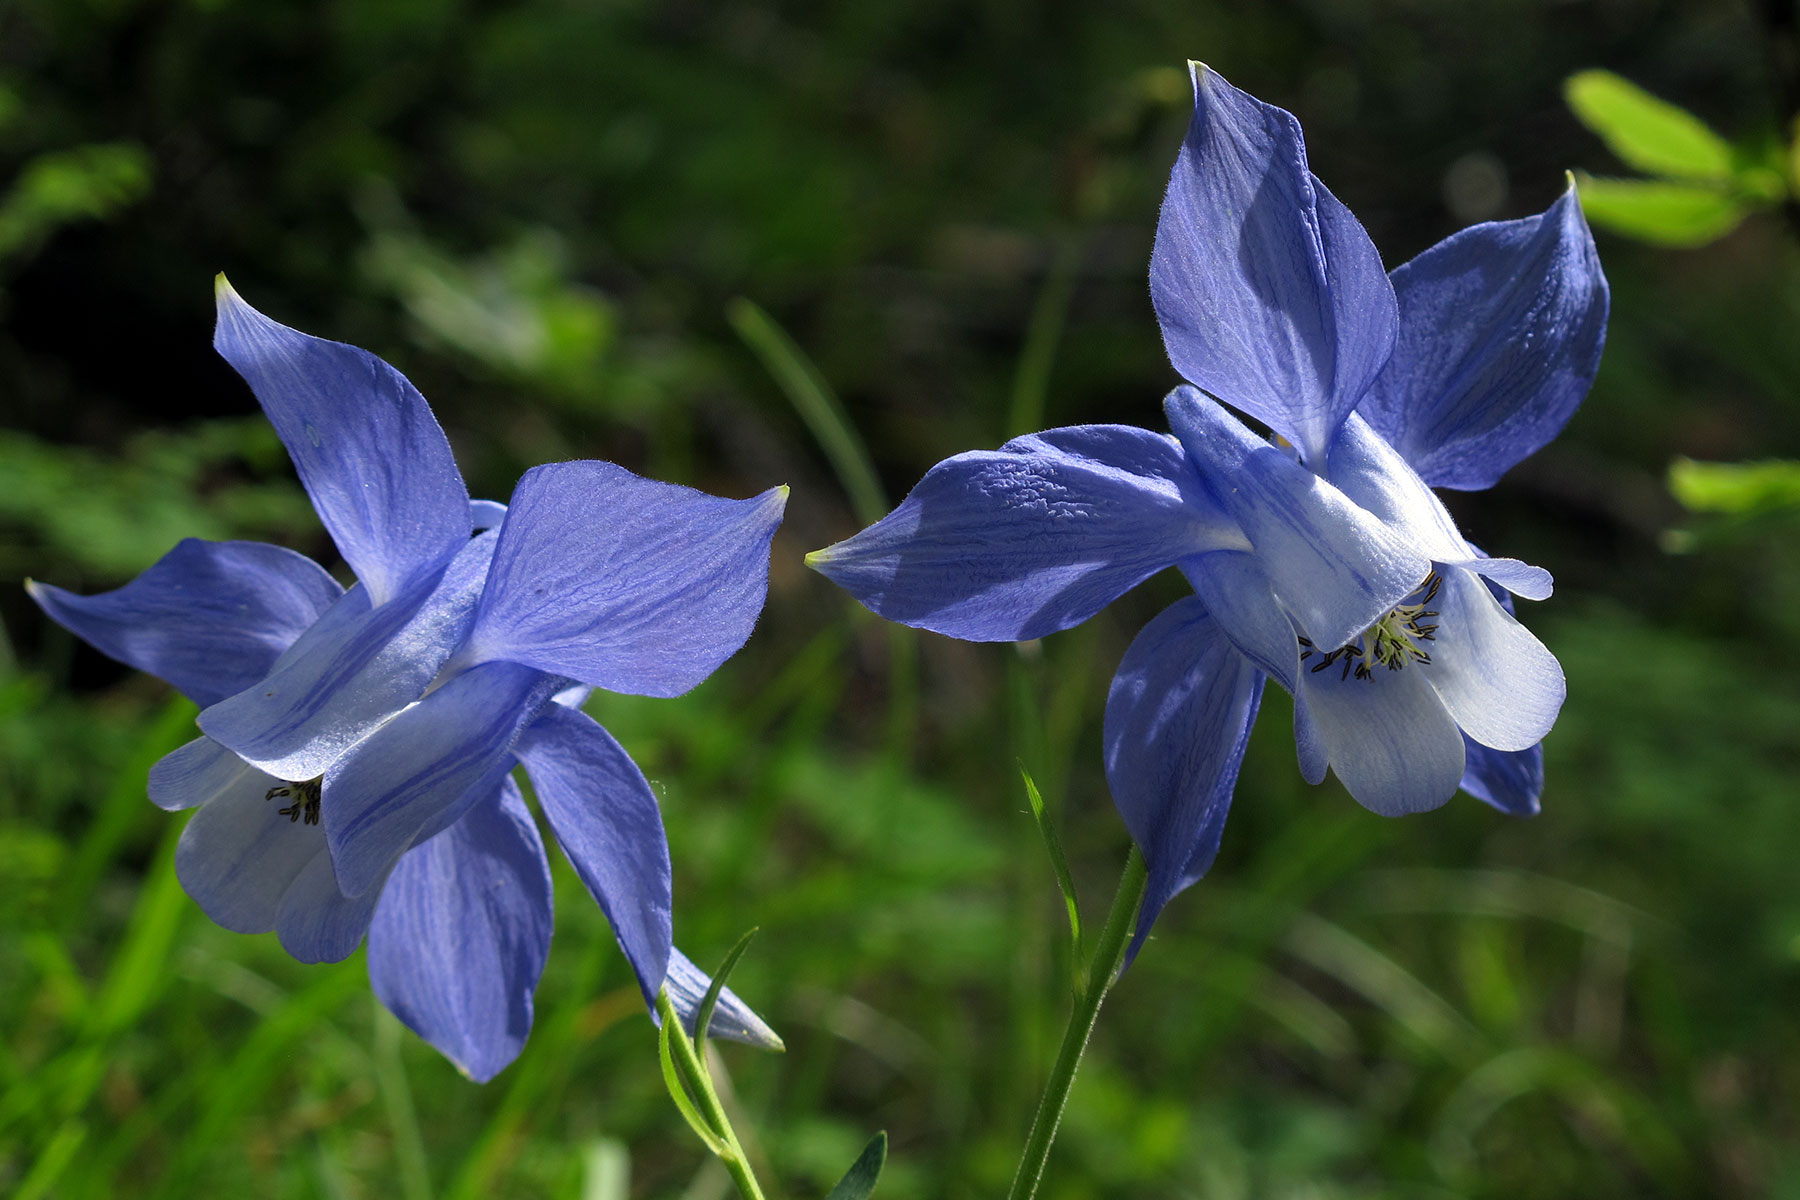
(1109, 954)
(688, 1063)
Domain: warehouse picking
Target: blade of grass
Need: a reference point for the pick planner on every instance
(703, 1015)
(1059, 863)
(396, 1095)
(1043, 334)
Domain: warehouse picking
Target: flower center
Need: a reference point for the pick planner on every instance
(1391, 642)
(305, 799)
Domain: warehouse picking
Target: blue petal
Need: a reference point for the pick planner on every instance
(1033, 538)
(318, 923)
(605, 817)
(1177, 720)
(1497, 681)
(486, 514)
(1510, 780)
(1335, 567)
(423, 769)
(208, 617)
(461, 933)
(351, 671)
(623, 582)
(1269, 293)
(1501, 328)
(1388, 738)
(196, 774)
(369, 452)
(238, 855)
(1236, 593)
(732, 1019)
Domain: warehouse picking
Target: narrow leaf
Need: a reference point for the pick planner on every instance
(703, 1015)
(1058, 862)
(1668, 214)
(1738, 489)
(859, 1181)
(1645, 132)
(812, 398)
(678, 1093)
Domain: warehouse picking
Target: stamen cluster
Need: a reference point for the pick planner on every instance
(1391, 642)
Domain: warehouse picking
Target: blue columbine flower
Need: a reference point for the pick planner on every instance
(355, 770)
(1320, 559)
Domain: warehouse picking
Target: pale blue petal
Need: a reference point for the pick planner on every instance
(732, 1019)
(318, 923)
(423, 769)
(1178, 717)
(208, 617)
(1269, 293)
(238, 855)
(461, 933)
(605, 817)
(1509, 780)
(1033, 538)
(196, 774)
(1334, 566)
(1236, 593)
(351, 671)
(486, 514)
(1496, 680)
(1501, 328)
(1388, 738)
(368, 451)
(623, 582)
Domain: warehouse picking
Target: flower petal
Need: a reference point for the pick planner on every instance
(1501, 328)
(1388, 738)
(423, 769)
(1238, 597)
(461, 933)
(1510, 780)
(1178, 717)
(623, 582)
(351, 671)
(318, 923)
(1269, 293)
(237, 855)
(196, 774)
(486, 514)
(1497, 681)
(605, 817)
(732, 1019)
(1033, 538)
(1334, 567)
(369, 452)
(208, 617)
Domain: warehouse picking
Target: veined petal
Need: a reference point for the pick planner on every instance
(238, 855)
(317, 922)
(1237, 595)
(351, 671)
(1177, 720)
(196, 774)
(1335, 567)
(1389, 739)
(208, 617)
(605, 817)
(369, 452)
(1501, 328)
(1269, 293)
(461, 933)
(732, 1019)
(423, 769)
(1509, 780)
(623, 582)
(1497, 681)
(1033, 538)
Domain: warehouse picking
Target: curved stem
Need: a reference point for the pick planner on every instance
(712, 1111)
(1109, 953)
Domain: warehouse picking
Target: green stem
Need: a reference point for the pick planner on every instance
(693, 1072)
(1109, 954)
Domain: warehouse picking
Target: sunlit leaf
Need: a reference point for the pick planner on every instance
(1669, 214)
(1645, 132)
(1736, 489)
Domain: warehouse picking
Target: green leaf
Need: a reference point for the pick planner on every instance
(83, 183)
(1058, 862)
(859, 1181)
(671, 1028)
(1667, 214)
(1649, 134)
(703, 1016)
(1736, 489)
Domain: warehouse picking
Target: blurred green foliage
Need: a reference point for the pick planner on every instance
(543, 212)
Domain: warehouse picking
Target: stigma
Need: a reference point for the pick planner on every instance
(1393, 641)
(306, 795)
